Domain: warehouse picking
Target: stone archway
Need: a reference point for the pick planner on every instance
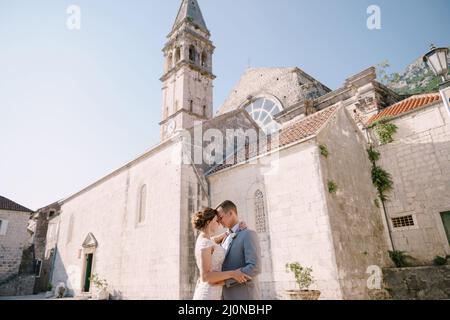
(89, 246)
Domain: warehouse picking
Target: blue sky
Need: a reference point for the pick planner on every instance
(75, 105)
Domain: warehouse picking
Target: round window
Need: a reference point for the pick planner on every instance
(263, 110)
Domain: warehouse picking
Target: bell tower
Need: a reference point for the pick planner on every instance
(188, 78)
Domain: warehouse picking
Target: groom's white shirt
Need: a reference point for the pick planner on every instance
(227, 242)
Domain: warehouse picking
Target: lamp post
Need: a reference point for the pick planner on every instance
(436, 59)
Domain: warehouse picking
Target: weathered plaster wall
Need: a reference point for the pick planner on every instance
(297, 217)
(287, 85)
(139, 260)
(358, 234)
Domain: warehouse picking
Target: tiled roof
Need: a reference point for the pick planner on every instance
(6, 204)
(411, 103)
(305, 127)
(297, 131)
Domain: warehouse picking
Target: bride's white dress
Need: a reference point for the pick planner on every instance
(204, 290)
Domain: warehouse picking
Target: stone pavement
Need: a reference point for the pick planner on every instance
(40, 296)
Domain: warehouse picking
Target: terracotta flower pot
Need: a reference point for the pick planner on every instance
(302, 294)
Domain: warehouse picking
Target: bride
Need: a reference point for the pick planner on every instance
(210, 255)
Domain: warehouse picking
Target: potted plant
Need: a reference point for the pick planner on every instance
(304, 280)
(100, 288)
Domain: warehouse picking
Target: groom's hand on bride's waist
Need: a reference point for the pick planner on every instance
(233, 283)
(230, 283)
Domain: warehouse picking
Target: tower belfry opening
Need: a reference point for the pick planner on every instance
(188, 76)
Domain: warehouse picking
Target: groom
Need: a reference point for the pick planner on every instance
(243, 252)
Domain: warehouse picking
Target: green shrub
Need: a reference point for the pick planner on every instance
(98, 282)
(382, 181)
(302, 275)
(373, 154)
(384, 130)
(399, 258)
(324, 150)
(332, 187)
(440, 261)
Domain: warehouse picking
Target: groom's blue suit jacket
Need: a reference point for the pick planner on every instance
(243, 253)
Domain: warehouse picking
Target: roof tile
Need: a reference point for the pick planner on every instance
(299, 130)
(6, 204)
(411, 103)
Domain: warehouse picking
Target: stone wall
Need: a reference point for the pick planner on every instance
(194, 198)
(138, 260)
(11, 249)
(25, 285)
(40, 237)
(419, 161)
(287, 85)
(297, 218)
(421, 283)
(184, 86)
(357, 229)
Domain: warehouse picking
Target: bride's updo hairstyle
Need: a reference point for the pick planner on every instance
(201, 219)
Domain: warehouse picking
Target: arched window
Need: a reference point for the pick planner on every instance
(142, 204)
(192, 53)
(70, 230)
(191, 106)
(262, 111)
(260, 212)
(204, 111)
(204, 61)
(177, 54)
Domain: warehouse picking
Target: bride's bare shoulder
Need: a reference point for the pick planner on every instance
(204, 243)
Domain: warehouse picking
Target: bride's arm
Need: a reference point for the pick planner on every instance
(218, 239)
(214, 277)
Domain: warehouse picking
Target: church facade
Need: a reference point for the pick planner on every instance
(303, 182)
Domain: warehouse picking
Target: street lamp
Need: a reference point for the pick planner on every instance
(437, 60)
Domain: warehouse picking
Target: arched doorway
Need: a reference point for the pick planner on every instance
(89, 246)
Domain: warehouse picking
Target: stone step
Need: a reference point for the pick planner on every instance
(84, 296)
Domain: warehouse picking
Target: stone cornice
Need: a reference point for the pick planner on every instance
(193, 35)
(353, 85)
(185, 22)
(179, 112)
(185, 63)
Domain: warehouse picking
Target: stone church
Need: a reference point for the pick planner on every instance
(303, 183)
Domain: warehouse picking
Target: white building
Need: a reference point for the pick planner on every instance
(14, 239)
(310, 197)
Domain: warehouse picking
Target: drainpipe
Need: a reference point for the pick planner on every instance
(388, 225)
